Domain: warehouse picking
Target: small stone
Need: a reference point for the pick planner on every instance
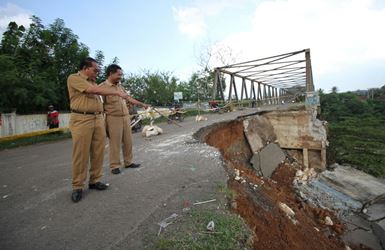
(328, 221)
(285, 208)
(234, 205)
(299, 173)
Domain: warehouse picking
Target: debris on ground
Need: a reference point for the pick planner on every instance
(204, 202)
(328, 221)
(288, 211)
(210, 226)
(151, 130)
(199, 118)
(164, 223)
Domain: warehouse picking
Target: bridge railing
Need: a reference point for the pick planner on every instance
(269, 80)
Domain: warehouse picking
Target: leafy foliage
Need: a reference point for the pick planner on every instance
(34, 65)
(356, 130)
(158, 88)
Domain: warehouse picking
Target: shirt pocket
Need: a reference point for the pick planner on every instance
(113, 99)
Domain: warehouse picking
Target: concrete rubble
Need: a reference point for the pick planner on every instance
(356, 197)
(258, 132)
(357, 184)
(268, 159)
(266, 155)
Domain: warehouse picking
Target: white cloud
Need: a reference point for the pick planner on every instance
(11, 12)
(339, 33)
(191, 20)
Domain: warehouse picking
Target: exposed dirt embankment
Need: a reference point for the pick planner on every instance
(259, 200)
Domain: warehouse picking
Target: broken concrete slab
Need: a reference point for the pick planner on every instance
(268, 159)
(320, 194)
(258, 132)
(379, 232)
(359, 236)
(256, 163)
(354, 183)
(376, 212)
(360, 231)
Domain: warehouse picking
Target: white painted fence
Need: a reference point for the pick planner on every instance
(13, 124)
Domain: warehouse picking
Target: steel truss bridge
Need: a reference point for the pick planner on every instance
(271, 80)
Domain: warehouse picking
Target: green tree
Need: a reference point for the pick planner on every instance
(37, 62)
(356, 131)
(154, 88)
(11, 39)
(334, 90)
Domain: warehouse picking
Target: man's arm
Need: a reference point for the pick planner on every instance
(98, 90)
(136, 102)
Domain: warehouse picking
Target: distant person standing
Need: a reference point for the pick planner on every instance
(118, 121)
(52, 117)
(87, 126)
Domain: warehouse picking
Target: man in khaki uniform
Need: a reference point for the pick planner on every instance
(118, 120)
(87, 126)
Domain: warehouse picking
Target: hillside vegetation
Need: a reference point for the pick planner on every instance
(356, 130)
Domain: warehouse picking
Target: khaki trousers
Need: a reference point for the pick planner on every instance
(89, 139)
(120, 136)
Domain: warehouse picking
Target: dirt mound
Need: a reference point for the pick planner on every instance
(262, 202)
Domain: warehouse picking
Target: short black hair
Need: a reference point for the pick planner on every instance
(87, 63)
(113, 68)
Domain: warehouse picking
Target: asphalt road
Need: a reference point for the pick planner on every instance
(35, 187)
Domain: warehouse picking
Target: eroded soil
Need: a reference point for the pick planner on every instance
(258, 198)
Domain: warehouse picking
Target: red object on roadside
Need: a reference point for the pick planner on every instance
(53, 119)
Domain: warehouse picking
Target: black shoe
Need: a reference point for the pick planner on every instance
(98, 186)
(115, 171)
(133, 165)
(76, 195)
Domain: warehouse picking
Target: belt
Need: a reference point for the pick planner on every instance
(85, 113)
(118, 115)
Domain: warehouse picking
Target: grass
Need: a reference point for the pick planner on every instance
(35, 139)
(189, 230)
(229, 193)
(230, 232)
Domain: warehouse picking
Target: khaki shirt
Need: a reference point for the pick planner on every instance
(80, 100)
(114, 105)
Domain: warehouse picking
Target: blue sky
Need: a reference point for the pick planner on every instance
(346, 37)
